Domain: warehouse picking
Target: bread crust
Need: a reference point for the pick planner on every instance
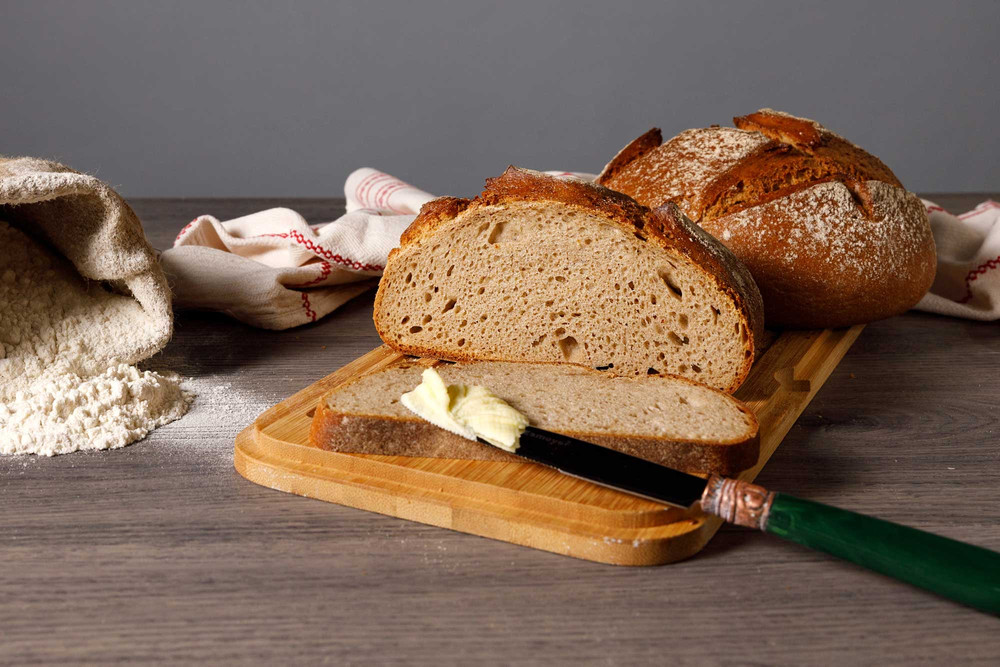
(639, 146)
(772, 157)
(665, 226)
(833, 284)
(334, 430)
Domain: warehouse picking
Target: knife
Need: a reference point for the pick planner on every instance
(963, 572)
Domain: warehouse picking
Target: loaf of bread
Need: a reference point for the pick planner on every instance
(668, 420)
(826, 229)
(548, 270)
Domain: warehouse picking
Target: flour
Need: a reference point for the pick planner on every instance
(108, 411)
(61, 387)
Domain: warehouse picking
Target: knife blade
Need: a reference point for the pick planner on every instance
(609, 468)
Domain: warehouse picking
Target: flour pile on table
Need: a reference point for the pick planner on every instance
(58, 392)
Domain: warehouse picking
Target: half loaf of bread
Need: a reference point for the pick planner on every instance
(550, 270)
(666, 419)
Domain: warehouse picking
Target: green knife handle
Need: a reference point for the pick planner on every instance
(963, 572)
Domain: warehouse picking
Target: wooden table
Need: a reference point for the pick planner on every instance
(161, 552)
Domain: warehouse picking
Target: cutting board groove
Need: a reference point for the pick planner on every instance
(518, 502)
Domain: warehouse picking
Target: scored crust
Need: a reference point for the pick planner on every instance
(665, 226)
(801, 258)
(718, 171)
(839, 263)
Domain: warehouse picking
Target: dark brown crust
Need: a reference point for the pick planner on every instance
(633, 151)
(412, 436)
(432, 213)
(666, 226)
(799, 132)
(800, 154)
(809, 294)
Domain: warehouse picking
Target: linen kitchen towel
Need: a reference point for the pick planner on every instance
(967, 283)
(274, 270)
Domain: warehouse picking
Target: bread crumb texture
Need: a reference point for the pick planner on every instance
(545, 281)
(568, 399)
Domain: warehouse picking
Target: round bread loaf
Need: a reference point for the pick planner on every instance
(825, 228)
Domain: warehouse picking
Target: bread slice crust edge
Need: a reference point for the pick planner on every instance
(336, 430)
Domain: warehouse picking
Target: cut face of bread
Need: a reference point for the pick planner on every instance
(537, 269)
(668, 420)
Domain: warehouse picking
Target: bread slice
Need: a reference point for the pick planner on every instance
(549, 270)
(666, 419)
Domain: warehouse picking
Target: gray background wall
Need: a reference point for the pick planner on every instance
(251, 98)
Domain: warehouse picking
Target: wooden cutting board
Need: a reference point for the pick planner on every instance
(525, 503)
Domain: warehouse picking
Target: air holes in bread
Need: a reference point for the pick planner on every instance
(461, 342)
(426, 319)
(696, 368)
(570, 349)
(502, 233)
(667, 277)
(682, 321)
(675, 339)
(652, 371)
(448, 306)
(414, 330)
(405, 320)
(427, 296)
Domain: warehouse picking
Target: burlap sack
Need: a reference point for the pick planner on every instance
(93, 227)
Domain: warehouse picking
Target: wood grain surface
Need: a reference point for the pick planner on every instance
(161, 552)
(520, 502)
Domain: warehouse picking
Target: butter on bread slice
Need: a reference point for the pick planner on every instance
(666, 419)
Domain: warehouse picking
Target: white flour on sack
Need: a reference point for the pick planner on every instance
(59, 390)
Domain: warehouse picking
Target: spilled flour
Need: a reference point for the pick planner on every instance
(61, 389)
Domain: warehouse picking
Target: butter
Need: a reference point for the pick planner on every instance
(471, 412)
